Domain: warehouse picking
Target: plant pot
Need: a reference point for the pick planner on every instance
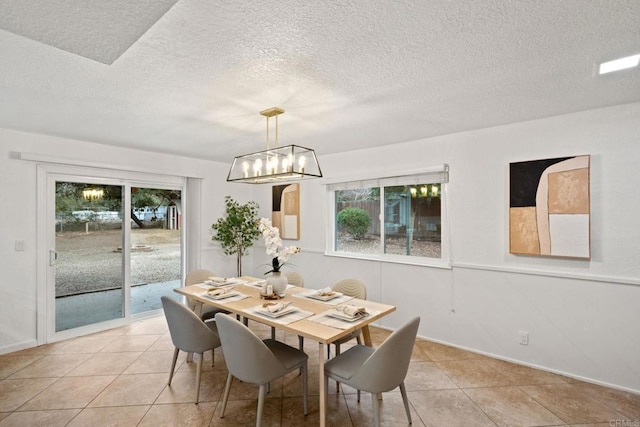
(278, 282)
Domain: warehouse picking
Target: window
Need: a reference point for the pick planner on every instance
(398, 218)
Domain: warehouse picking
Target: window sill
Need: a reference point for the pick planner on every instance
(424, 262)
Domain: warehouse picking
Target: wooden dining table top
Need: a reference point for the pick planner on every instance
(304, 327)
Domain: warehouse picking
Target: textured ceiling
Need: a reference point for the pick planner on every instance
(190, 76)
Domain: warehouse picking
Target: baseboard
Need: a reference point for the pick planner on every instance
(18, 346)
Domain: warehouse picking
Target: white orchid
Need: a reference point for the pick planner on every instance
(273, 244)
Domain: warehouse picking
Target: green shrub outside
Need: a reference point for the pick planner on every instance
(355, 221)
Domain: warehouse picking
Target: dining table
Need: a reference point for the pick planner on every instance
(308, 314)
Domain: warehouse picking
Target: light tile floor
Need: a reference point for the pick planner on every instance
(119, 378)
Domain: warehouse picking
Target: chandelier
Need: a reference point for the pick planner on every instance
(286, 163)
(92, 193)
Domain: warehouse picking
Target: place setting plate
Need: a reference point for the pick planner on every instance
(277, 314)
(343, 316)
(217, 282)
(221, 296)
(323, 298)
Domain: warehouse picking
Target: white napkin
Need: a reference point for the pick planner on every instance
(275, 307)
(218, 291)
(352, 310)
(325, 292)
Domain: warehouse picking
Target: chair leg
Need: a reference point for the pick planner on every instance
(403, 391)
(245, 320)
(173, 364)
(359, 341)
(305, 386)
(199, 375)
(273, 333)
(376, 409)
(337, 354)
(213, 357)
(225, 399)
(300, 347)
(261, 393)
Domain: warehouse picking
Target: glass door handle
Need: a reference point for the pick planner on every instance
(53, 257)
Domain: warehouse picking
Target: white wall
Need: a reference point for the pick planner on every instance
(583, 317)
(18, 200)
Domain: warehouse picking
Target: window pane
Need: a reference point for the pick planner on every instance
(412, 220)
(156, 251)
(89, 284)
(357, 224)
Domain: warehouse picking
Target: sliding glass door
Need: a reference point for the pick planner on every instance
(113, 247)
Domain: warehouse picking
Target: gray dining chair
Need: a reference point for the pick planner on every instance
(353, 288)
(199, 276)
(190, 334)
(294, 278)
(255, 361)
(377, 370)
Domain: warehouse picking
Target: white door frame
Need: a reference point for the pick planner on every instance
(47, 175)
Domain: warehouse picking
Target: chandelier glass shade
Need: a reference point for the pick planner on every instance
(286, 163)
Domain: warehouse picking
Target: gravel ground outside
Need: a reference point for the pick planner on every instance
(91, 262)
(395, 245)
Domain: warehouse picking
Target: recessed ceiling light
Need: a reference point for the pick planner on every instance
(619, 64)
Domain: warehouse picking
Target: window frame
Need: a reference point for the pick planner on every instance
(436, 175)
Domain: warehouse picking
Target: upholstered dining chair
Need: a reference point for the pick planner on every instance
(198, 276)
(254, 361)
(190, 334)
(377, 370)
(353, 288)
(294, 278)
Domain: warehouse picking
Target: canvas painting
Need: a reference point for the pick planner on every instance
(549, 207)
(286, 210)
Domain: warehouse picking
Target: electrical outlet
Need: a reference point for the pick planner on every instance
(20, 245)
(523, 338)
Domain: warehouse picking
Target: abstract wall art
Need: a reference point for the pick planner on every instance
(549, 207)
(285, 213)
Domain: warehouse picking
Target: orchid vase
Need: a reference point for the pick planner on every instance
(278, 282)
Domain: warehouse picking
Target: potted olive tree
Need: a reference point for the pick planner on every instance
(237, 230)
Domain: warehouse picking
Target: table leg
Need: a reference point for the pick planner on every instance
(197, 309)
(366, 335)
(323, 393)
